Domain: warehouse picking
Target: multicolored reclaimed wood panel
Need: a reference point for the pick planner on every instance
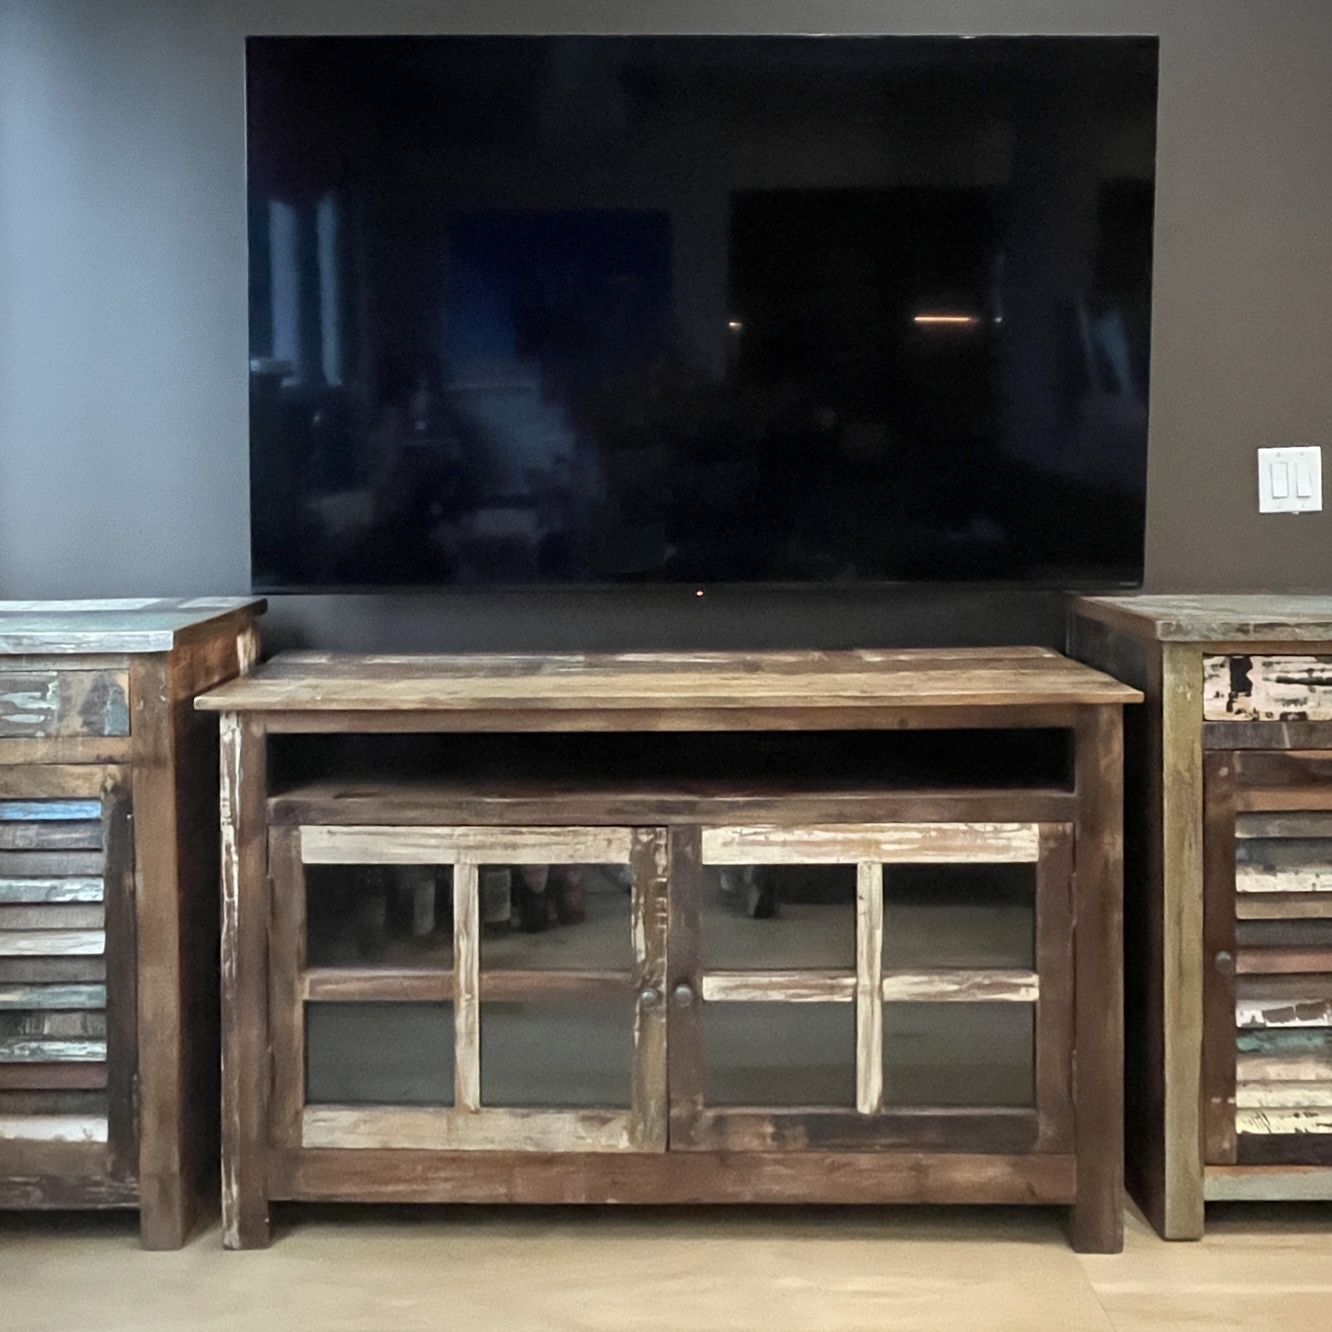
(66, 702)
(1283, 987)
(49, 915)
(1267, 688)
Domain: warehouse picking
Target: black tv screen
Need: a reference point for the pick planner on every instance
(700, 310)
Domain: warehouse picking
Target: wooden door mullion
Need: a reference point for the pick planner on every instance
(869, 987)
(466, 988)
(684, 1047)
(649, 867)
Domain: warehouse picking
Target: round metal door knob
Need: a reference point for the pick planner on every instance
(1225, 963)
(649, 998)
(682, 995)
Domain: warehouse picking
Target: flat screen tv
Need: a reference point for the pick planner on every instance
(699, 310)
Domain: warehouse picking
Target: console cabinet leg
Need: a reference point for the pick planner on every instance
(245, 1071)
(1097, 1221)
(166, 1205)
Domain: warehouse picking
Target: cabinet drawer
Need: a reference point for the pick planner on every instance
(35, 704)
(1267, 688)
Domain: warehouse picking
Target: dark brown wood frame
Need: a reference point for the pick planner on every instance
(1068, 1151)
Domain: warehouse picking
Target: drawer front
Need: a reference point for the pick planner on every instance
(1267, 688)
(36, 704)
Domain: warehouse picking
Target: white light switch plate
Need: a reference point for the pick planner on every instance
(1290, 480)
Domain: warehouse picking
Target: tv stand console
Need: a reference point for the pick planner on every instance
(673, 928)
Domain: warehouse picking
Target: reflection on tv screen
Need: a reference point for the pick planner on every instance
(699, 310)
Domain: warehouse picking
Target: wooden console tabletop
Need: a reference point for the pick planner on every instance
(702, 690)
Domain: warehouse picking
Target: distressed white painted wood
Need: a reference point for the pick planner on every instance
(1284, 1009)
(789, 987)
(901, 843)
(650, 919)
(52, 943)
(1259, 1068)
(321, 845)
(52, 1128)
(1313, 1120)
(1251, 878)
(247, 649)
(425, 1128)
(466, 991)
(1267, 688)
(1282, 1095)
(868, 984)
(29, 704)
(951, 985)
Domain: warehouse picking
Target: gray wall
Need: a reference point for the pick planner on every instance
(123, 323)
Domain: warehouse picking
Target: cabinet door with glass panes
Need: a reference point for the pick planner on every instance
(468, 988)
(850, 987)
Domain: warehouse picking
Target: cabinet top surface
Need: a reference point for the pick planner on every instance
(1204, 618)
(667, 681)
(142, 624)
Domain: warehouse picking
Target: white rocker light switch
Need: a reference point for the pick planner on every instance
(1290, 480)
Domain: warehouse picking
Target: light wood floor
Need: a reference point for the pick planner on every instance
(376, 1270)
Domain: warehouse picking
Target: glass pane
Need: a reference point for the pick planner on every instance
(379, 1054)
(556, 917)
(379, 915)
(779, 917)
(959, 1054)
(959, 916)
(779, 1054)
(558, 1052)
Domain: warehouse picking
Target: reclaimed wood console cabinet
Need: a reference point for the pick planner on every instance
(108, 903)
(772, 927)
(1229, 895)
